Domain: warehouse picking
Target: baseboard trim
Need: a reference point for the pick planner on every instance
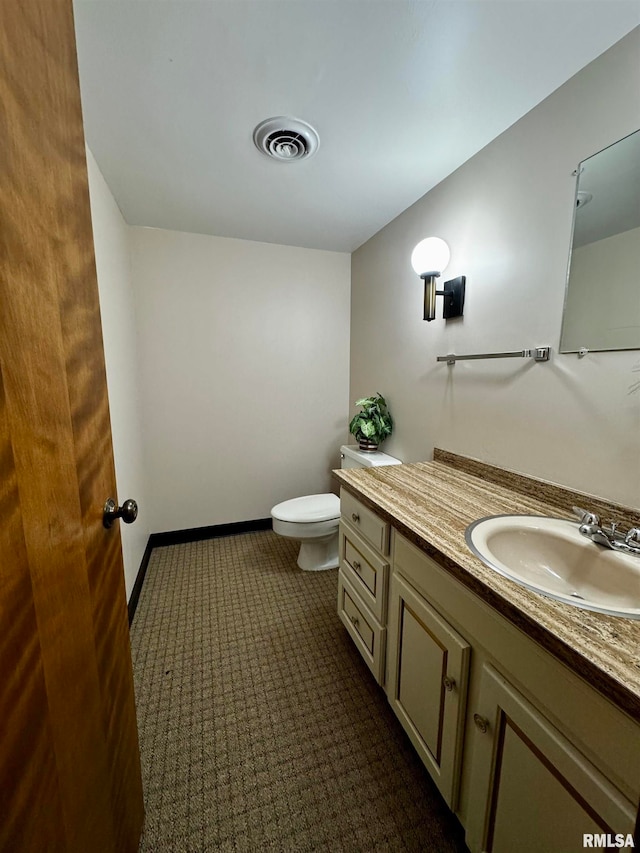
(192, 534)
(197, 534)
(137, 586)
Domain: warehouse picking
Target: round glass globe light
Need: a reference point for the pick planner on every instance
(431, 255)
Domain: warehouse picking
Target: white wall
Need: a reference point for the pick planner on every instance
(244, 352)
(110, 234)
(506, 215)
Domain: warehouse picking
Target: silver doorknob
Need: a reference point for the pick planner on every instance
(128, 512)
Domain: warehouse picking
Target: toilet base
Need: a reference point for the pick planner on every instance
(317, 555)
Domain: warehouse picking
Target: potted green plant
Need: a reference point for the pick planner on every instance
(373, 424)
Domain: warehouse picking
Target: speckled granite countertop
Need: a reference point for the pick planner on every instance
(432, 503)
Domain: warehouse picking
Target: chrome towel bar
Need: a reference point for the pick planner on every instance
(537, 353)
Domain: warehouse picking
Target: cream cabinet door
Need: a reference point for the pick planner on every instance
(531, 790)
(427, 686)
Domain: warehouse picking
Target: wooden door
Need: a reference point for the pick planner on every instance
(69, 761)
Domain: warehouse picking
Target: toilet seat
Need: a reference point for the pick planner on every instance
(308, 509)
(313, 520)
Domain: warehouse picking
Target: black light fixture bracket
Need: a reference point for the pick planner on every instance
(453, 297)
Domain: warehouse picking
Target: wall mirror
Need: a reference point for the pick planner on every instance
(602, 299)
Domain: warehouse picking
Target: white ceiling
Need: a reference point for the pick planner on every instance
(400, 92)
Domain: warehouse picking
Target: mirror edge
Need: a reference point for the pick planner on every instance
(576, 173)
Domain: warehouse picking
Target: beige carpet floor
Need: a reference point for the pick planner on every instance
(261, 729)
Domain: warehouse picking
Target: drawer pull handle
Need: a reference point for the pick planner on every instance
(354, 620)
(356, 565)
(481, 722)
(355, 517)
(449, 683)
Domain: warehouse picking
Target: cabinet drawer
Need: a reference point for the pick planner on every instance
(366, 571)
(366, 522)
(366, 632)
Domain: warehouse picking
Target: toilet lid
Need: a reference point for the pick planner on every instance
(308, 508)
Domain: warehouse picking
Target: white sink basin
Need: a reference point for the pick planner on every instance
(550, 556)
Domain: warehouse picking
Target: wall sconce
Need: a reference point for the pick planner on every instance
(429, 259)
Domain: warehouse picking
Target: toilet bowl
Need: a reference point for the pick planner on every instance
(314, 519)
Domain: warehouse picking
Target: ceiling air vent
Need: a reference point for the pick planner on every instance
(286, 139)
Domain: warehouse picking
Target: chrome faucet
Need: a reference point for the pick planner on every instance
(628, 543)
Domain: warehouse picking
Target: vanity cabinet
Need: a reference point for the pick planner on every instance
(365, 522)
(363, 580)
(428, 666)
(527, 754)
(532, 789)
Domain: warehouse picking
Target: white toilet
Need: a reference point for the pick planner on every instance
(313, 519)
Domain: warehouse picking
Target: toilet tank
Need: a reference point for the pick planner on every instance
(352, 457)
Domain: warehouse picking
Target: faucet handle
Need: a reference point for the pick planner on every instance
(585, 516)
(632, 536)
